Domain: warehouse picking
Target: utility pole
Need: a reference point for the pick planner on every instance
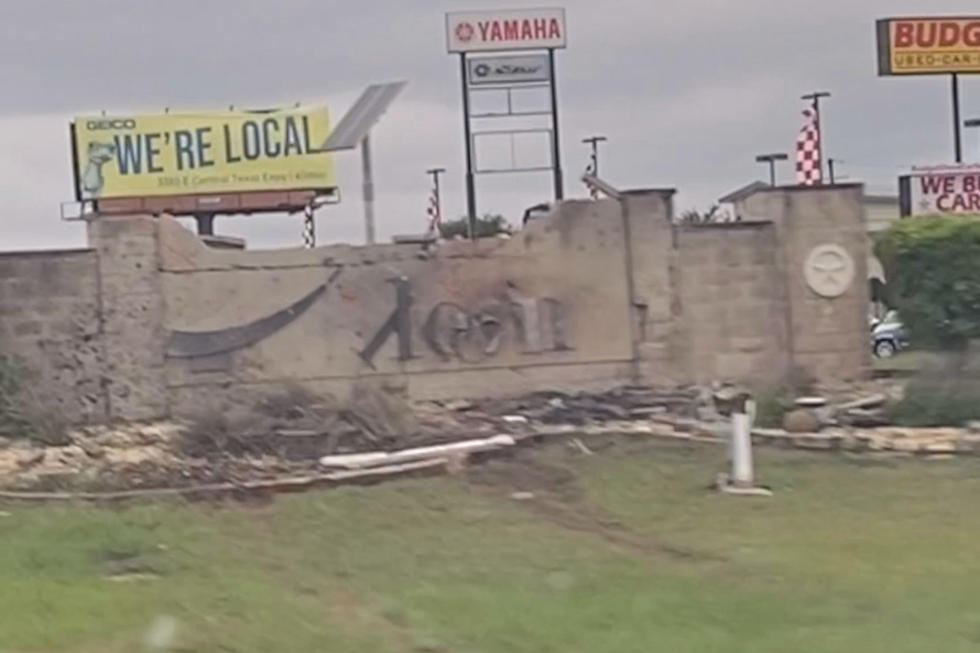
(815, 99)
(594, 142)
(435, 207)
(771, 160)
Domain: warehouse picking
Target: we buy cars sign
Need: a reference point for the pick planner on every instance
(518, 29)
(942, 190)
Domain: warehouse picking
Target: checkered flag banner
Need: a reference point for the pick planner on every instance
(435, 216)
(809, 168)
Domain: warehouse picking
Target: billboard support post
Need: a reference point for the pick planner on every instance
(367, 172)
(935, 45)
(555, 139)
(468, 139)
(957, 130)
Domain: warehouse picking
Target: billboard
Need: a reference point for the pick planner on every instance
(518, 29)
(209, 152)
(928, 46)
(942, 189)
(508, 70)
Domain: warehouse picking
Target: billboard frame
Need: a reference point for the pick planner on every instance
(884, 51)
(884, 42)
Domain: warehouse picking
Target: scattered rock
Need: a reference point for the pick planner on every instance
(522, 496)
(91, 449)
(29, 457)
(801, 421)
(940, 447)
(515, 419)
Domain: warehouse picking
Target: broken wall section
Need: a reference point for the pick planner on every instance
(50, 322)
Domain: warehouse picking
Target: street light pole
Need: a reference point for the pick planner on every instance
(815, 98)
(831, 162)
(771, 160)
(594, 142)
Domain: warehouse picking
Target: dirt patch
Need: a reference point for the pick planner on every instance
(552, 492)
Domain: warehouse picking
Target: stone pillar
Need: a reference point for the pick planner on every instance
(132, 313)
(651, 243)
(823, 254)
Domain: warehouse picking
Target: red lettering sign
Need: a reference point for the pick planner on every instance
(971, 34)
(904, 35)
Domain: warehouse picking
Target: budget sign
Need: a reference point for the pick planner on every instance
(207, 152)
(922, 46)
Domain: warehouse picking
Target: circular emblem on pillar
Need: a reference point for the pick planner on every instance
(829, 270)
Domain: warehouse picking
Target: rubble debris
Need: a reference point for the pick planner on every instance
(872, 401)
(287, 436)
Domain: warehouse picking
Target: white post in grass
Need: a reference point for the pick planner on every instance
(741, 445)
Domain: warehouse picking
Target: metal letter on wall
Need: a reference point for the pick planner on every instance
(399, 322)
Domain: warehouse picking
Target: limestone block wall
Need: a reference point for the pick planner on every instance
(828, 336)
(732, 303)
(49, 320)
(152, 323)
(131, 302)
(546, 308)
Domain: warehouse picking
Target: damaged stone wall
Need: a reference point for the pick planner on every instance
(732, 302)
(153, 323)
(546, 308)
(49, 321)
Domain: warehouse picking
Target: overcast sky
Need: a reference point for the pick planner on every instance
(687, 93)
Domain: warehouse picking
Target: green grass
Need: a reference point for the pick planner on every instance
(634, 555)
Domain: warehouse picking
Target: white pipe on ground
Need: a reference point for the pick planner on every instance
(376, 458)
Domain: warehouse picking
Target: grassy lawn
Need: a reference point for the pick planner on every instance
(623, 551)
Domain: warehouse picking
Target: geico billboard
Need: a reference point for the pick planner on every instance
(208, 152)
(932, 191)
(924, 46)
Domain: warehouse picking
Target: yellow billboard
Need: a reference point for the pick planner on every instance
(201, 153)
(924, 46)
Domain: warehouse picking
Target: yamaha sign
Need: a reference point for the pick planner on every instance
(516, 29)
(508, 70)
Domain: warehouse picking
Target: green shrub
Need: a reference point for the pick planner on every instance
(934, 278)
(771, 406)
(22, 414)
(936, 401)
(12, 420)
(485, 227)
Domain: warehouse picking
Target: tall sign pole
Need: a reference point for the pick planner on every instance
(555, 138)
(468, 138)
(957, 131)
(486, 33)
